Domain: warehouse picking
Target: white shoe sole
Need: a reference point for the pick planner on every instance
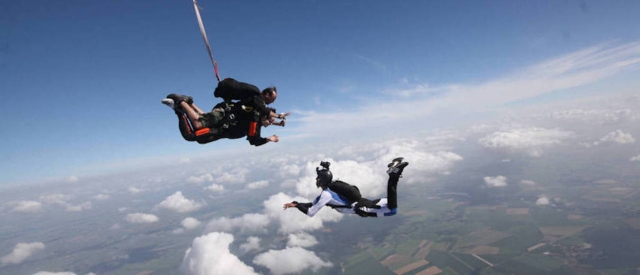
(168, 102)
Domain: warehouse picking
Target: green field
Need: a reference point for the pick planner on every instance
(454, 229)
(522, 237)
(470, 260)
(366, 264)
(534, 264)
(443, 260)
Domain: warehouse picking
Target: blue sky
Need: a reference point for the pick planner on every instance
(82, 80)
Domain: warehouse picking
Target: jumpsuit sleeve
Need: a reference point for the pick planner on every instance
(253, 135)
(303, 207)
(320, 202)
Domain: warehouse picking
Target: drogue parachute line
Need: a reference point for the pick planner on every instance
(197, 8)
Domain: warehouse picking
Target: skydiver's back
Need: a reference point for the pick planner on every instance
(230, 89)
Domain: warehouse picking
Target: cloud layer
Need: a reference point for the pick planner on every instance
(178, 203)
(530, 140)
(498, 181)
(291, 260)
(21, 252)
(209, 255)
(141, 218)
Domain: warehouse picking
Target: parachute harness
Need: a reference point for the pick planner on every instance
(204, 36)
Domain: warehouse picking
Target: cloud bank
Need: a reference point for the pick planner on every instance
(27, 207)
(141, 218)
(543, 200)
(291, 260)
(498, 181)
(252, 244)
(247, 222)
(210, 255)
(178, 203)
(302, 240)
(21, 252)
(529, 140)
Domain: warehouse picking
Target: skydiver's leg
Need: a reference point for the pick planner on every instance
(185, 128)
(395, 172)
(198, 110)
(392, 192)
(192, 114)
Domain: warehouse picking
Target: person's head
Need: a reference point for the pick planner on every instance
(269, 95)
(324, 177)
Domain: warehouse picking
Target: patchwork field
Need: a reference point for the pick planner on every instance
(516, 237)
(552, 234)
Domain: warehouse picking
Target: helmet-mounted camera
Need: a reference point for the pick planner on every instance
(324, 175)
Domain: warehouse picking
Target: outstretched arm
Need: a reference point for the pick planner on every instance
(303, 207)
(254, 138)
(311, 208)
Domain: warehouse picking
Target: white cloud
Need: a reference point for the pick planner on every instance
(426, 159)
(291, 260)
(190, 223)
(101, 197)
(235, 176)
(258, 184)
(302, 240)
(79, 207)
(200, 179)
(215, 188)
(178, 203)
(595, 115)
(59, 199)
(530, 140)
(636, 158)
(498, 181)
(55, 273)
(21, 252)
(618, 136)
(543, 200)
(247, 222)
(209, 255)
(141, 218)
(421, 100)
(134, 190)
(252, 244)
(289, 170)
(528, 182)
(27, 207)
(72, 179)
(62, 200)
(479, 128)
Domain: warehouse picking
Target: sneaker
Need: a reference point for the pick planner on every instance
(169, 102)
(187, 99)
(395, 161)
(179, 98)
(396, 167)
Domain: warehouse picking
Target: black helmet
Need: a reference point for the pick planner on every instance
(324, 175)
